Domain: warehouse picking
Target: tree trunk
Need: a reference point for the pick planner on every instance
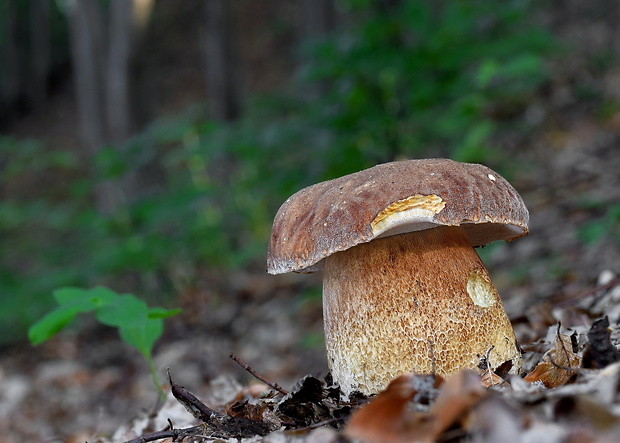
(88, 51)
(91, 68)
(40, 57)
(118, 103)
(9, 55)
(316, 17)
(222, 62)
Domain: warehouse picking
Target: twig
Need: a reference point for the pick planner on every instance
(160, 435)
(597, 292)
(190, 402)
(487, 357)
(257, 375)
(564, 368)
(320, 424)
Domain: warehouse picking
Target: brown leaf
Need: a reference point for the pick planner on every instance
(242, 408)
(458, 395)
(304, 404)
(600, 352)
(491, 379)
(556, 366)
(387, 419)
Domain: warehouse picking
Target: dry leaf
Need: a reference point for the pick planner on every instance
(556, 367)
(243, 408)
(490, 378)
(459, 394)
(600, 351)
(387, 419)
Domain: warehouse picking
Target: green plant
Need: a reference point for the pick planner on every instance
(422, 77)
(606, 226)
(410, 80)
(138, 325)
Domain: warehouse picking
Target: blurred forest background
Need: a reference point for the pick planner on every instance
(146, 145)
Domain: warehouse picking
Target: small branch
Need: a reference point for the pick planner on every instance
(486, 358)
(564, 368)
(190, 402)
(175, 434)
(597, 292)
(320, 424)
(257, 375)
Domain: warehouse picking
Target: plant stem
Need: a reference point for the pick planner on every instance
(154, 376)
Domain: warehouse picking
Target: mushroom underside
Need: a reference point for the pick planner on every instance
(419, 302)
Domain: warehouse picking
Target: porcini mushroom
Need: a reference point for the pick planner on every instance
(403, 288)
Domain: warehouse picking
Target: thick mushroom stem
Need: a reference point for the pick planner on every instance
(418, 302)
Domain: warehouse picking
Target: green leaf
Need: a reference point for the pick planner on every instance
(163, 313)
(473, 148)
(110, 163)
(525, 64)
(72, 301)
(131, 316)
(143, 335)
(592, 232)
(486, 73)
(52, 322)
(122, 310)
(89, 298)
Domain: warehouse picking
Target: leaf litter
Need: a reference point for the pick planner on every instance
(569, 391)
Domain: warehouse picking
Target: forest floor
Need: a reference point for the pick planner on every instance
(89, 386)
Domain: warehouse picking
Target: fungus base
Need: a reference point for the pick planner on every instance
(419, 302)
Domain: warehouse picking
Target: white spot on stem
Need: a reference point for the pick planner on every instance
(480, 290)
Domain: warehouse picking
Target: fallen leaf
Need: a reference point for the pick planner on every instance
(388, 419)
(600, 352)
(304, 404)
(490, 378)
(385, 418)
(557, 366)
(243, 408)
(458, 395)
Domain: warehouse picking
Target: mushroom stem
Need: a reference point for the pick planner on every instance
(418, 302)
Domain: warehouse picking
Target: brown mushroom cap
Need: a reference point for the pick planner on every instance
(389, 199)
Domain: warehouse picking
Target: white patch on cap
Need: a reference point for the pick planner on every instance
(491, 177)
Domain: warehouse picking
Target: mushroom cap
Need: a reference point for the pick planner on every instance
(390, 199)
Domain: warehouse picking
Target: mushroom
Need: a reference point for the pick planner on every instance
(403, 288)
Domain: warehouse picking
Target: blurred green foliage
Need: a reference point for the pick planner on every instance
(605, 227)
(416, 79)
(425, 78)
